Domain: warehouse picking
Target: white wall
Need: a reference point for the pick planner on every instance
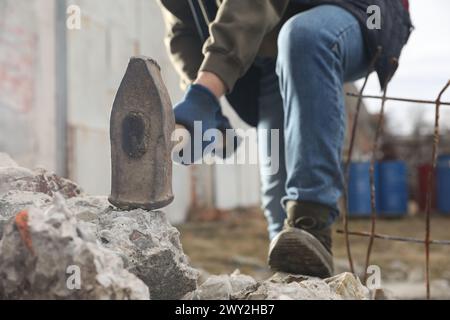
(97, 55)
(112, 31)
(27, 82)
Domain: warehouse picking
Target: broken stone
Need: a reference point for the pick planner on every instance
(88, 208)
(348, 287)
(223, 287)
(40, 181)
(145, 241)
(43, 255)
(7, 161)
(307, 290)
(14, 178)
(281, 286)
(150, 248)
(13, 202)
(121, 255)
(203, 276)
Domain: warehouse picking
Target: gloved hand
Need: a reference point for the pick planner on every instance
(200, 104)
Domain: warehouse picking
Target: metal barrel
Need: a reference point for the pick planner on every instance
(359, 189)
(393, 193)
(443, 184)
(423, 173)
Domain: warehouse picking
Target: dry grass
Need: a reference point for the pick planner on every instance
(241, 242)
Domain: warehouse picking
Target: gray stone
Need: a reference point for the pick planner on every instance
(282, 286)
(307, 290)
(88, 208)
(41, 253)
(348, 287)
(151, 249)
(7, 161)
(223, 287)
(14, 178)
(145, 241)
(13, 202)
(40, 181)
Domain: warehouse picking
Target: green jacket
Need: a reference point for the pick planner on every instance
(232, 47)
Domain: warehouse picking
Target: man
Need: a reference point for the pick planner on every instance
(282, 65)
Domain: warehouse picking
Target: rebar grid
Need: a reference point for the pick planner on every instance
(372, 235)
(349, 156)
(394, 238)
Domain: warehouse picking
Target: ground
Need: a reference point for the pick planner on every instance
(239, 241)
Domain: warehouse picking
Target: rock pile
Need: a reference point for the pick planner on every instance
(280, 287)
(145, 243)
(58, 243)
(44, 255)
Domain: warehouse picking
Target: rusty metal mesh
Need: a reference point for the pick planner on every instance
(372, 235)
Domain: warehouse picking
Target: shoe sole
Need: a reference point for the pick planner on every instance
(298, 252)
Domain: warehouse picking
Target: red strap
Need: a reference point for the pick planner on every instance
(406, 4)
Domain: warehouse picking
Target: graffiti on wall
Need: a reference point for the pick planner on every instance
(18, 49)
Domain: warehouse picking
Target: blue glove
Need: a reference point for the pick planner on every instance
(200, 104)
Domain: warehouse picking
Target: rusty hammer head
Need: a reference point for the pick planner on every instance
(142, 122)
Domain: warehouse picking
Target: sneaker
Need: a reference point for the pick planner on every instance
(304, 245)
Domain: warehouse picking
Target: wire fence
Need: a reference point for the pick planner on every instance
(372, 235)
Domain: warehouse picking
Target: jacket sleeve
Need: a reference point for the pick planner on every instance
(236, 36)
(182, 39)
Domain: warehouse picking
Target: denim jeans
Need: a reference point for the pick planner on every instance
(302, 95)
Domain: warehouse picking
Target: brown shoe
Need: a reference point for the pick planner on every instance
(304, 245)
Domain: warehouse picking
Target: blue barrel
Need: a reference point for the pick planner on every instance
(393, 195)
(443, 184)
(359, 189)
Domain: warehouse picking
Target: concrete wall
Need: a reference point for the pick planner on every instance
(27, 82)
(111, 32)
(92, 62)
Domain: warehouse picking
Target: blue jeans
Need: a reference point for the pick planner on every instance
(318, 50)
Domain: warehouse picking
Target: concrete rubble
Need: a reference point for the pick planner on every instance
(39, 181)
(280, 287)
(144, 242)
(48, 226)
(151, 249)
(43, 255)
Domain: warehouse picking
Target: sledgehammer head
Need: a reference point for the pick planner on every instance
(142, 122)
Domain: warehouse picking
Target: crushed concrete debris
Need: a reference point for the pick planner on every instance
(50, 229)
(223, 287)
(147, 245)
(151, 249)
(348, 286)
(40, 181)
(43, 255)
(15, 201)
(7, 161)
(281, 287)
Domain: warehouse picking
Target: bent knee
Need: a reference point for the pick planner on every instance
(298, 37)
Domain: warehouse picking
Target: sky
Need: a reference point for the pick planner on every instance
(424, 68)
